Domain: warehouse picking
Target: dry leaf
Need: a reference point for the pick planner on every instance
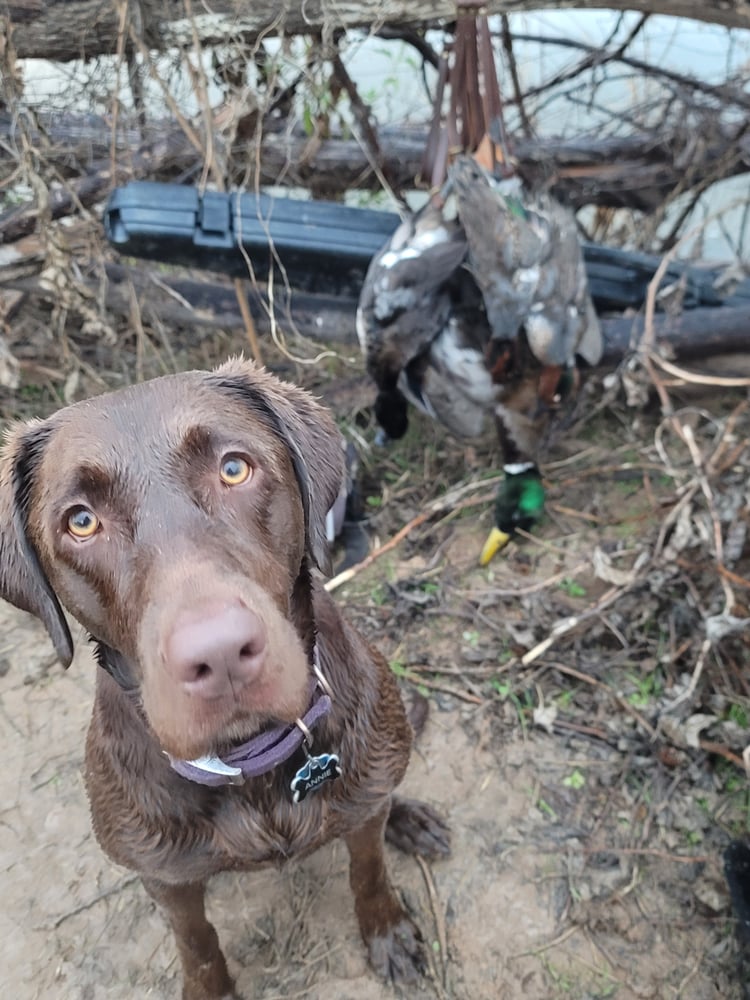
(604, 569)
(686, 732)
(544, 716)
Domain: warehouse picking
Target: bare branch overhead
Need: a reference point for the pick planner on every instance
(87, 28)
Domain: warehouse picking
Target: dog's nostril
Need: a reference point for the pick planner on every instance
(216, 654)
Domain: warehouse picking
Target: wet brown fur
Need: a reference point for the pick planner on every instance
(173, 538)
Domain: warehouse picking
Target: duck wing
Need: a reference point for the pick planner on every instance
(526, 258)
(561, 321)
(405, 302)
(450, 381)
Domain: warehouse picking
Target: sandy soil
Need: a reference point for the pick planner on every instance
(514, 913)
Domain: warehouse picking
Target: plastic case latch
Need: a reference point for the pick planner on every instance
(214, 226)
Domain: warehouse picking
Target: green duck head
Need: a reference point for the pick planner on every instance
(519, 504)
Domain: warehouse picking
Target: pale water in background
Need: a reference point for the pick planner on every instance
(390, 78)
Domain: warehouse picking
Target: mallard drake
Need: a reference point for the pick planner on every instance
(492, 328)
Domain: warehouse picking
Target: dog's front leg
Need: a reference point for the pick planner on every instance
(392, 939)
(204, 969)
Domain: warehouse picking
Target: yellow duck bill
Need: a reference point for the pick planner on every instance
(496, 540)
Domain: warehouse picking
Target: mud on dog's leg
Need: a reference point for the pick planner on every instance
(393, 940)
(204, 969)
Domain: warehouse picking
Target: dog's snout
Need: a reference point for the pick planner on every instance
(217, 653)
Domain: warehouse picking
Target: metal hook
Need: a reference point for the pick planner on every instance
(307, 736)
(327, 689)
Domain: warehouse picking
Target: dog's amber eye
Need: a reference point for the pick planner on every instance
(82, 523)
(235, 470)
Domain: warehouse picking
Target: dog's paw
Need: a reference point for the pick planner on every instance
(416, 828)
(398, 955)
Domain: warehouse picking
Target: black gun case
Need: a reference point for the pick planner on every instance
(324, 247)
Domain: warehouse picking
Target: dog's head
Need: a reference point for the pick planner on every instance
(176, 521)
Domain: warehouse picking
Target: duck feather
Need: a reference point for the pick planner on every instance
(526, 258)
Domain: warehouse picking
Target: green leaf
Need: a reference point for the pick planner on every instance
(574, 780)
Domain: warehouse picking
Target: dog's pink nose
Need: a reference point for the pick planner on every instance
(215, 655)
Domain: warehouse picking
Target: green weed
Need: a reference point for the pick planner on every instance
(648, 688)
(398, 668)
(737, 714)
(574, 780)
(572, 588)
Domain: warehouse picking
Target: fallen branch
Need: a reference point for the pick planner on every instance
(636, 171)
(186, 302)
(572, 622)
(450, 501)
(98, 898)
(595, 682)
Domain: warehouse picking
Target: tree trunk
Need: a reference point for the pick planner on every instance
(636, 171)
(81, 29)
(694, 333)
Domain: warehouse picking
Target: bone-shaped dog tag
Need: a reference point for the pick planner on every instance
(314, 773)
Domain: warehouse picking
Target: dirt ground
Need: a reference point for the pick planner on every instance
(589, 812)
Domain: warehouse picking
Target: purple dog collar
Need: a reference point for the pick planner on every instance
(266, 751)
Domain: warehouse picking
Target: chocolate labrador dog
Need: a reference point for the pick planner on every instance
(238, 719)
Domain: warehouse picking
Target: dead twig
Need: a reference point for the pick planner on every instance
(735, 578)
(532, 588)
(443, 688)
(360, 109)
(98, 898)
(575, 727)
(200, 85)
(695, 378)
(438, 915)
(726, 93)
(550, 944)
(449, 501)
(349, 574)
(721, 751)
(595, 682)
(510, 58)
(650, 852)
(566, 625)
(579, 514)
(247, 318)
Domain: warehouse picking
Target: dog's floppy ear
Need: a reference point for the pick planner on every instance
(22, 580)
(311, 436)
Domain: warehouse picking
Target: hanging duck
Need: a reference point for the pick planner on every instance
(405, 303)
(526, 258)
(478, 307)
